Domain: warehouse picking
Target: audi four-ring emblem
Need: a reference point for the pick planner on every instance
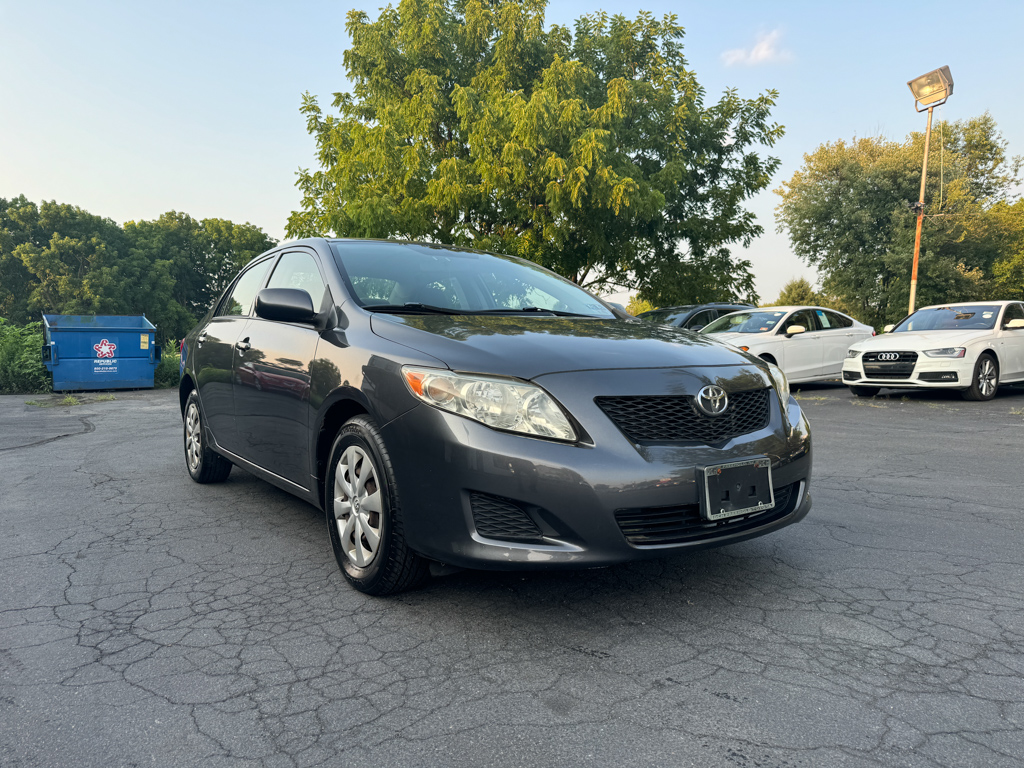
(889, 356)
(712, 400)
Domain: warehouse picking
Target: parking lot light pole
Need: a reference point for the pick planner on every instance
(930, 91)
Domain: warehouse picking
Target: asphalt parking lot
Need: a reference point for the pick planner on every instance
(146, 620)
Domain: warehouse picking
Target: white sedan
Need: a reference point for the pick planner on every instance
(807, 343)
(973, 347)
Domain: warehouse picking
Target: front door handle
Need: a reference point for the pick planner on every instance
(243, 345)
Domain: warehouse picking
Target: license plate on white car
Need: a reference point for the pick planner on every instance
(737, 488)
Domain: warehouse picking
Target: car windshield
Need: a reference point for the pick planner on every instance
(409, 277)
(665, 316)
(960, 318)
(746, 322)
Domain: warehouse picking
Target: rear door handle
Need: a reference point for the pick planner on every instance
(201, 337)
(243, 345)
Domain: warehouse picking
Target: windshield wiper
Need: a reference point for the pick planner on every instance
(413, 308)
(538, 310)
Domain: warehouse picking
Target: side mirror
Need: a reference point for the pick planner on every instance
(795, 329)
(1015, 323)
(286, 305)
(888, 328)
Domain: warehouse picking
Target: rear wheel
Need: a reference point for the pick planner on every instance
(204, 464)
(865, 391)
(364, 514)
(985, 380)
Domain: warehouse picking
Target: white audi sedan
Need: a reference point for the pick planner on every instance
(807, 343)
(973, 347)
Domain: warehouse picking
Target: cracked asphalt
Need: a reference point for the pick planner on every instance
(146, 620)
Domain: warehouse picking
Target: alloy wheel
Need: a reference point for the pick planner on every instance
(193, 437)
(987, 377)
(357, 506)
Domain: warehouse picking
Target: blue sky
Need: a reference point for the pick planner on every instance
(130, 109)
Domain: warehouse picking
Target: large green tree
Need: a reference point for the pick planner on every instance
(847, 212)
(591, 152)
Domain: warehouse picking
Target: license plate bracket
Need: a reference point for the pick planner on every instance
(737, 488)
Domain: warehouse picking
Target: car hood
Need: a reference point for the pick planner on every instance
(741, 339)
(920, 341)
(527, 347)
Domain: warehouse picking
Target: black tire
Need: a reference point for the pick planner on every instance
(388, 566)
(865, 391)
(204, 465)
(984, 380)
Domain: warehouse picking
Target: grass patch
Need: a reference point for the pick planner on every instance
(1017, 411)
(103, 398)
(868, 403)
(802, 398)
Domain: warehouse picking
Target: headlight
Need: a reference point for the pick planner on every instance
(781, 383)
(506, 404)
(947, 352)
(853, 353)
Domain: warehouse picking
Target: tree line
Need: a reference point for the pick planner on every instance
(58, 258)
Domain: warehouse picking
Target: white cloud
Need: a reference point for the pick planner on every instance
(765, 51)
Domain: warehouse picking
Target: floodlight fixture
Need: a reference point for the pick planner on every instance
(932, 89)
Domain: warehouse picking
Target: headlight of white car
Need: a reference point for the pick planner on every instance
(853, 353)
(947, 352)
(507, 404)
(781, 383)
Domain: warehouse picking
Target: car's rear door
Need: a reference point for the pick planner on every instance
(272, 373)
(837, 335)
(214, 351)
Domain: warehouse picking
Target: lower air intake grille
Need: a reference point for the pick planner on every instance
(498, 518)
(652, 526)
(677, 419)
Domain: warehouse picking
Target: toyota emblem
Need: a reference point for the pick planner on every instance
(712, 400)
(889, 356)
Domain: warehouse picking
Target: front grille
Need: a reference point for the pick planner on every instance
(653, 526)
(498, 518)
(900, 368)
(677, 419)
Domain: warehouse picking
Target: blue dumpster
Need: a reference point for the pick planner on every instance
(100, 351)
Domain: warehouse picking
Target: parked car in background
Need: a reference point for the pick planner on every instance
(807, 343)
(475, 410)
(692, 317)
(970, 346)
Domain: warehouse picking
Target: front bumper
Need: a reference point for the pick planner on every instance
(444, 464)
(928, 373)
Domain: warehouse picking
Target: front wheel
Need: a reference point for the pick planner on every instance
(364, 514)
(985, 380)
(865, 391)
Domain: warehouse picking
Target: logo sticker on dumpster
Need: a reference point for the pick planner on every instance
(105, 348)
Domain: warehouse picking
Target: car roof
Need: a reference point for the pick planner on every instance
(1001, 303)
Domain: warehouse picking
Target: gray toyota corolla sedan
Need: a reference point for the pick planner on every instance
(451, 406)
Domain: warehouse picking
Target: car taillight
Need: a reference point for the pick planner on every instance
(873, 333)
(181, 347)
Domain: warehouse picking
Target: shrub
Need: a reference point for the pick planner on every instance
(21, 364)
(167, 371)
